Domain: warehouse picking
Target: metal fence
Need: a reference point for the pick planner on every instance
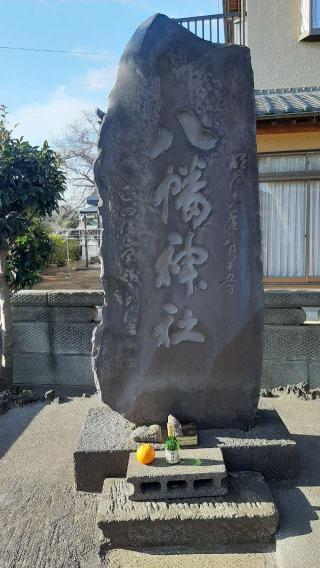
(217, 28)
(89, 241)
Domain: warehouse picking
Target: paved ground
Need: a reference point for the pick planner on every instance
(45, 524)
(58, 277)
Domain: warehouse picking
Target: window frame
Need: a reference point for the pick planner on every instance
(313, 34)
(307, 176)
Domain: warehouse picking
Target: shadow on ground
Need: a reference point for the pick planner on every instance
(11, 429)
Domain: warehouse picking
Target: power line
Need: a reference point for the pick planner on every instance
(101, 54)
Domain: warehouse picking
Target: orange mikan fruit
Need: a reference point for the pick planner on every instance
(145, 453)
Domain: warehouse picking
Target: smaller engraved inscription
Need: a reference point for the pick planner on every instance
(231, 227)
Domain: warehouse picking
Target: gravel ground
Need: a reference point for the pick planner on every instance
(44, 523)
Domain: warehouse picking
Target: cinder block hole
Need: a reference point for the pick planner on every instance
(199, 484)
(148, 486)
(176, 484)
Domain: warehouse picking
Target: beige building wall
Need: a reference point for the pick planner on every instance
(286, 142)
(279, 59)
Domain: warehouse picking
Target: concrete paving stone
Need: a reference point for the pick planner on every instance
(53, 337)
(75, 298)
(247, 514)
(201, 472)
(284, 316)
(52, 313)
(52, 369)
(291, 298)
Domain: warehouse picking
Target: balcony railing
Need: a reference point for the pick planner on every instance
(217, 28)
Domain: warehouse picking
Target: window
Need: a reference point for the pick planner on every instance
(290, 215)
(310, 20)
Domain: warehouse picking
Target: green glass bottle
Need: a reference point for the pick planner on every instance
(172, 449)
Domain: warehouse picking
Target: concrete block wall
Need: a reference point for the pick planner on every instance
(53, 331)
(291, 344)
(52, 337)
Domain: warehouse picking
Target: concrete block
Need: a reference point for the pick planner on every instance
(284, 316)
(52, 313)
(30, 298)
(289, 343)
(52, 337)
(104, 446)
(281, 373)
(294, 298)
(75, 298)
(247, 514)
(102, 449)
(200, 473)
(52, 369)
(313, 374)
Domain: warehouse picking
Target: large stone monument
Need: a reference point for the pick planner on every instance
(177, 174)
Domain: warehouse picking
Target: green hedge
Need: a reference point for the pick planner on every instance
(58, 254)
(31, 253)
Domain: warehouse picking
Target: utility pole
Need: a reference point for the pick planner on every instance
(86, 241)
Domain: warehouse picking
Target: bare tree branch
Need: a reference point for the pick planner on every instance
(77, 148)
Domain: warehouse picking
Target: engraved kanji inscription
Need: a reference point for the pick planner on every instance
(172, 330)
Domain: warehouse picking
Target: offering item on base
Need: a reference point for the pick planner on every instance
(145, 454)
(172, 450)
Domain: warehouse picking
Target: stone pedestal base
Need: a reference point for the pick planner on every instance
(247, 514)
(104, 446)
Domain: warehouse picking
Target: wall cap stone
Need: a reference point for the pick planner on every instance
(86, 298)
(291, 298)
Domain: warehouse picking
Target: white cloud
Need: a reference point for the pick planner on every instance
(100, 79)
(45, 121)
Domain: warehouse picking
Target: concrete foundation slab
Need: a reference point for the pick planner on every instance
(104, 446)
(201, 472)
(246, 515)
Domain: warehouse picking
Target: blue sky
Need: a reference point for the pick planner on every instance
(45, 91)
